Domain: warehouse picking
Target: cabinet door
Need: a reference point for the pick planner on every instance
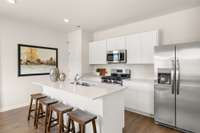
(139, 96)
(131, 99)
(92, 53)
(133, 44)
(146, 98)
(148, 41)
(116, 43)
(97, 52)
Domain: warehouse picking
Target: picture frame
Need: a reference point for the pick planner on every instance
(36, 60)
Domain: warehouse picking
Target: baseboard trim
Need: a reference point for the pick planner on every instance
(139, 112)
(8, 108)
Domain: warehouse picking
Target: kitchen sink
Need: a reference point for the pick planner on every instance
(82, 83)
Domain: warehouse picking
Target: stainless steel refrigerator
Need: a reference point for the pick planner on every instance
(177, 86)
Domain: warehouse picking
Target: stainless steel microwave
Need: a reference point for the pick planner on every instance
(117, 56)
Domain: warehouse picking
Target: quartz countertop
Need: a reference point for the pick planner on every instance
(96, 90)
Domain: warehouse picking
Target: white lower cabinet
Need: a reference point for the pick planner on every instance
(139, 96)
(131, 99)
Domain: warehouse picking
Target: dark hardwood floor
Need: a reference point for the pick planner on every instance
(15, 121)
(135, 123)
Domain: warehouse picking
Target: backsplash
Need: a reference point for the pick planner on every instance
(137, 71)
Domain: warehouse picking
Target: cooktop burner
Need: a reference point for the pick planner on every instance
(117, 76)
(112, 79)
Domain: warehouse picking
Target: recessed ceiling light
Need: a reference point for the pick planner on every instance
(12, 1)
(66, 20)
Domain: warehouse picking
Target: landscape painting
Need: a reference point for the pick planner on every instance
(36, 60)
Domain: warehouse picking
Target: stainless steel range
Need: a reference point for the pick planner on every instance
(177, 86)
(117, 76)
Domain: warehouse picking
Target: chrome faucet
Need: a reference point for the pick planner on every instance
(76, 78)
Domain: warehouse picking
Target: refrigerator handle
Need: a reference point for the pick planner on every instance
(173, 76)
(178, 77)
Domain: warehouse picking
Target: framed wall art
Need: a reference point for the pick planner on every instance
(36, 60)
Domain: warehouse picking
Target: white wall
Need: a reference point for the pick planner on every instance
(86, 38)
(15, 90)
(182, 26)
(0, 76)
(75, 46)
(78, 43)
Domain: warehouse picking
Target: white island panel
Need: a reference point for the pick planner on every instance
(105, 101)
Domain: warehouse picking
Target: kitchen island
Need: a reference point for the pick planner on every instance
(104, 100)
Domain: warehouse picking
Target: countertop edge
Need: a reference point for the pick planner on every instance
(92, 98)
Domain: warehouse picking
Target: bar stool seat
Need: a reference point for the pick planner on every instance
(38, 96)
(82, 118)
(60, 110)
(60, 107)
(47, 102)
(34, 98)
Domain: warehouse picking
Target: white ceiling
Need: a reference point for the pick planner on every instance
(91, 15)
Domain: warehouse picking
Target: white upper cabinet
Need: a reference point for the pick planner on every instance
(116, 43)
(140, 47)
(97, 52)
(148, 41)
(133, 44)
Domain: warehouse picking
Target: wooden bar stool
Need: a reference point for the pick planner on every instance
(44, 102)
(60, 110)
(82, 118)
(34, 98)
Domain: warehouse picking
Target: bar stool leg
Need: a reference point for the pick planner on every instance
(38, 115)
(49, 121)
(73, 126)
(30, 109)
(36, 108)
(82, 128)
(63, 129)
(94, 126)
(68, 125)
(62, 122)
(59, 122)
(79, 125)
(46, 117)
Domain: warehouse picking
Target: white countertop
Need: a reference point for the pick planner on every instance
(95, 91)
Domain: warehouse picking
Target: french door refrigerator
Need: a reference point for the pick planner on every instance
(177, 86)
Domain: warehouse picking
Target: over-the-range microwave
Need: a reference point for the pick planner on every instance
(117, 56)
